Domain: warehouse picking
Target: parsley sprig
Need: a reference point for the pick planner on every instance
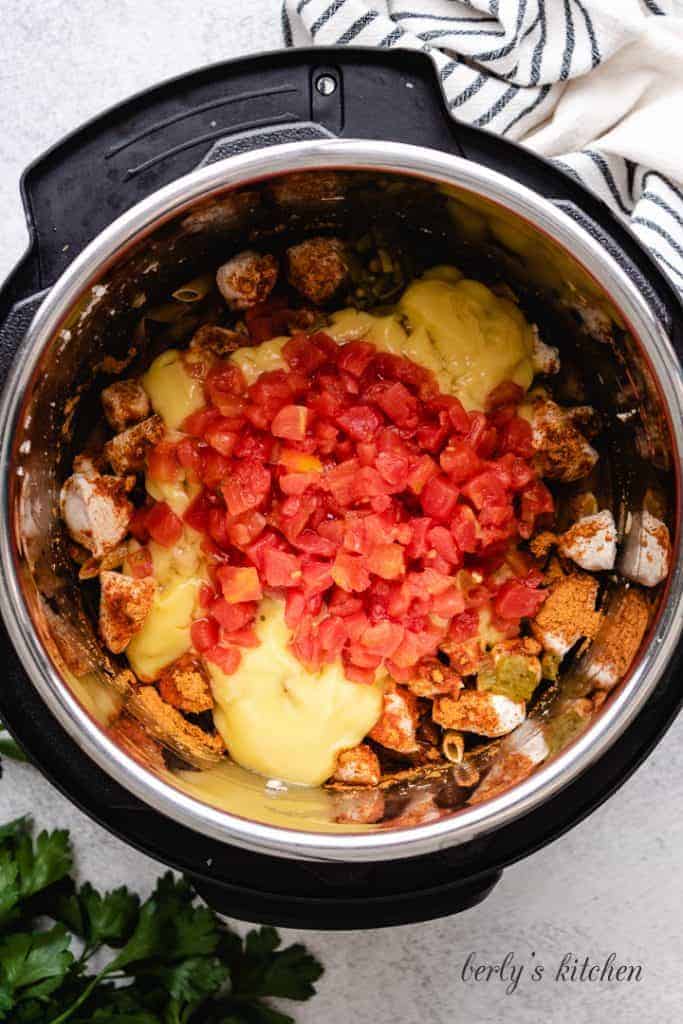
(168, 960)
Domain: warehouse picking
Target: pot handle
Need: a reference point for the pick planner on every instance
(338, 902)
(76, 189)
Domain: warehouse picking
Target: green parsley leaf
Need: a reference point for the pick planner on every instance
(43, 862)
(264, 971)
(32, 966)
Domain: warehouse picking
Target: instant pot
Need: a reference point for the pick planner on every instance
(157, 189)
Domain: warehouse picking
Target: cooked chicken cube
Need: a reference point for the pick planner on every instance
(591, 542)
(488, 714)
(395, 730)
(647, 552)
(432, 678)
(563, 453)
(317, 268)
(96, 511)
(358, 806)
(420, 810)
(88, 466)
(225, 214)
(219, 341)
(464, 655)
(166, 724)
(125, 402)
(247, 278)
(185, 685)
(524, 750)
(308, 189)
(618, 641)
(545, 359)
(567, 614)
(358, 767)
(125, 603)
(127, 451)
(130, 735)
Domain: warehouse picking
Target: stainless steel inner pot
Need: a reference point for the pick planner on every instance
(616, 355)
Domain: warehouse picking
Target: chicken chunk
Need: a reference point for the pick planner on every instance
(185, 685)
(125, 402)
(523, 752)
(219, 341)
(125, 603)
(308, 188)
(479, 711)
(358, 767)
(247, 278)
(619, 640)
(591, 542)
(96, 511)
(545, 359)
(563, 453)
(127, 451)
(130, 735)
(433, 678)
(464, 655)
(647, 551)
(317, 268)
(358, 806)
(567, 614)
(167, 725)
(395, 730)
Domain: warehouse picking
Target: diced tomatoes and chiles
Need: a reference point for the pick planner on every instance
(351, 487)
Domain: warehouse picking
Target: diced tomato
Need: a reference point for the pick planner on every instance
(398, 404)
(486, 490)
(245, 637)
(448, 604)
(505, 393)
(217, 527)
(299, 462)
(215, 467)
(246, 528)
(197, 513)
(303, 354)
(439, 497)
(482, 436)
(355, 674)
(341, 481)
(349, 571)
(386, 560)
(517, 437)
(394, 468)
(355, 356)
(226, 658)
(441, 540)
(342, 603)
(270, 392)
(290, 422)
(460, 461)
(221, 437)
(383, 639)
(421, 473)
(316, 578)
(515, 600)
(368, 484)
(197, 422)
(162, 463)
(332, 633)
(225, 387)
(232, 616)
(281, 569)
(360, 422)
(295, 603)
(464, 625)
(536, 501)
(432, 436)
(138, 524)
(409, 651)
(464, 528)
(189, 455)
(163, 524)
(239, 583)
(204, 634)
(255, 444)
(140, 563)
(313, 544)
(246, 487)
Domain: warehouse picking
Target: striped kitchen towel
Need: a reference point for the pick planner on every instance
(596, 85)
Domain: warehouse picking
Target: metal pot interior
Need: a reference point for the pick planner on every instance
(115, 328)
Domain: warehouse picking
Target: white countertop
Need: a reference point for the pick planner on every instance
(611, 885)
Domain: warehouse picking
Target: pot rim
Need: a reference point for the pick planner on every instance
(89, 267)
